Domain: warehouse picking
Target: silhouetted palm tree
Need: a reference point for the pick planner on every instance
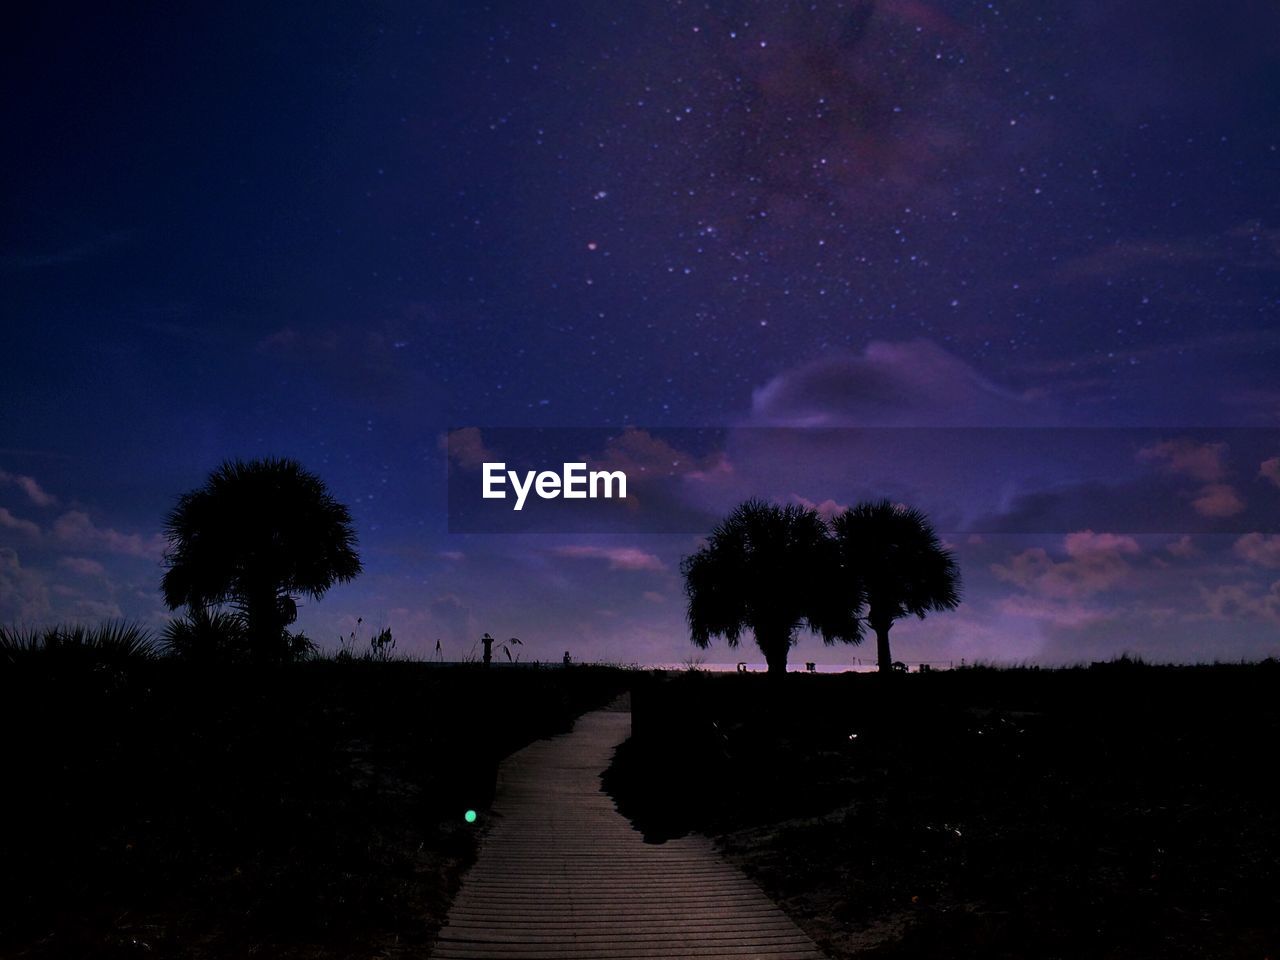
(257, 535)
(207, 634)
(892, 553)
(769, 569)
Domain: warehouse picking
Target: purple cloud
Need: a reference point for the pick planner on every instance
(77, 530)
(28, 485)
(618, 558)
(1259, 548)
(1218, 500)
(466, 448)
(20, 524)
(83, 566)
(1205, 462)
(915, 383)
(1270, 470)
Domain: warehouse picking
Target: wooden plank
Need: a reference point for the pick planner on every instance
(561, 875)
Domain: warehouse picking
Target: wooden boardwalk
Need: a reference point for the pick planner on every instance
(562, 875)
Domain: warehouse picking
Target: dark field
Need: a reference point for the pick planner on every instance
(161, 809)
(1122, 811)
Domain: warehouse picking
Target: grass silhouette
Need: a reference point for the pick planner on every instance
(112, 642)
(1124, 810)
(173, 807)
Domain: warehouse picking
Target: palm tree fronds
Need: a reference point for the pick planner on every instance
(110, 642)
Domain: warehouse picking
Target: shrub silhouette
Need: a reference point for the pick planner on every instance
(770, 569)
(108, 643)
(258, 535)
(892, 554)
(206, 634)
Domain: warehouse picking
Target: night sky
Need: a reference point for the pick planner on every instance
(338, 232)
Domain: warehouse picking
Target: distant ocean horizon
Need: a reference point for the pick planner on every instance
(860, 665)
(752, 666)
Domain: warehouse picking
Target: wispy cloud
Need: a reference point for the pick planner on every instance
(10, 522)
(1094, 563)
(1232, 602)
(76, 529)
(912, 383)
(1218, 500)
(1205, 462)
(1270, 470)
(35, 493)
(83, 566)
(24, 595)
(1259, 548)
(618, 558)
(1250, 244)
(466, 448)
(640, 454)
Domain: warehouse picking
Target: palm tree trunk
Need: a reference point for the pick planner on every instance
(884, 660)
(774, 644)
(262, 620)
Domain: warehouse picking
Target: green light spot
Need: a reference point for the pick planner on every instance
(469, 816)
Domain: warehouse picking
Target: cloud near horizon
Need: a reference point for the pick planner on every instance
(76, 529)
(618, 558)
(828, 509)
(24, 595)
(1205, 462)
(1095, 562)
(1233, 602)
(53, 580)
(1259, 548)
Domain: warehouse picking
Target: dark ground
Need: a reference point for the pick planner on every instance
(1122, 811)
(160, 809)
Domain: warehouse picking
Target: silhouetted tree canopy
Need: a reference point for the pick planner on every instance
(892, 555)
(257, 536)
(770, 569)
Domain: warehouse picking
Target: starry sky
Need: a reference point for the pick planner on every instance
(1016, 263)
